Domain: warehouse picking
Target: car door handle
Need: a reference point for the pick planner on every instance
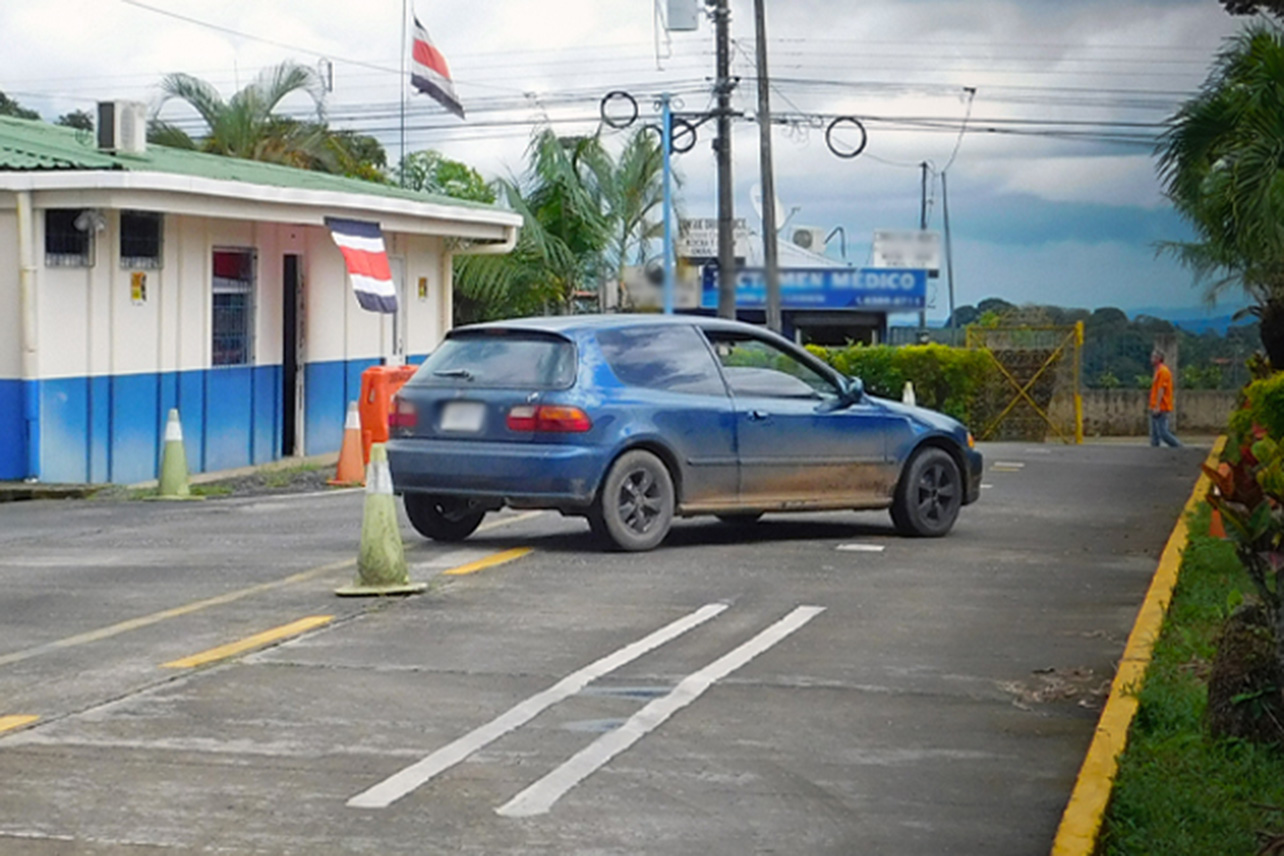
(758, 415)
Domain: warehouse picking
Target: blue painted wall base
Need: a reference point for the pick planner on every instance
(111, 429)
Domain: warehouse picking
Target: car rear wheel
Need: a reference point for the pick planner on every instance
(929, 495)
(443, 518)
(635, 505)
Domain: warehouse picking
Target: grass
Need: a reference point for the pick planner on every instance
(1179, 792)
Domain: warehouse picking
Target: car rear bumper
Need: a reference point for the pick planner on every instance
(975, 467)
(535, 473)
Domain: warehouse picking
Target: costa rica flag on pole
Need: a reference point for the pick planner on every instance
(430, 74)
(367, 262)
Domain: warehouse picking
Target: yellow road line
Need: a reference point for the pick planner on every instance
(175, 612)
(488, 562)
(1077, 835)
(249, 643)
(9, 723)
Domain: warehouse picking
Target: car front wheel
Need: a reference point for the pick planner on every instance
(635, 505)
(443, 518)
(929, 495)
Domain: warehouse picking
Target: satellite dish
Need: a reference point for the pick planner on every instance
(755, 196)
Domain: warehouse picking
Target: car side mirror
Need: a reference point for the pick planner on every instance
(855, 390)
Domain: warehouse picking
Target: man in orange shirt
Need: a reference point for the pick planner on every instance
(1161, 402)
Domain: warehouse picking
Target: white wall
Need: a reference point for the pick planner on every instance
(10, 319)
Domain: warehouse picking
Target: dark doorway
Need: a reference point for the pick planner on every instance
(291, 295)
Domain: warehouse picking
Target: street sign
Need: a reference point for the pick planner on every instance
(698, 237)
(905, 248)
(888, 289)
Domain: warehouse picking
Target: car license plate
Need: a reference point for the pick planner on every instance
(463, 416)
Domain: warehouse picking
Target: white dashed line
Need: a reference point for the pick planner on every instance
(539, 797)
(399, 784)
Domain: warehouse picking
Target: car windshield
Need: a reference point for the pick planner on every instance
(500, 358)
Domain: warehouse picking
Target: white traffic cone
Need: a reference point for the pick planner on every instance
(173, 469)
(381, 562)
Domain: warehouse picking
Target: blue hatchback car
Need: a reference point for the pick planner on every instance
(632, 420)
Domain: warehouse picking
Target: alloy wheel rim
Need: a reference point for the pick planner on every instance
(640, 501)
(937, 493)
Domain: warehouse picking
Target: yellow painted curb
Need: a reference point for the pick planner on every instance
(1077, 835)
(249, 643)
(488, 562)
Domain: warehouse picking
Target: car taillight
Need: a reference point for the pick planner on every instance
(403, 414)
(551, 418)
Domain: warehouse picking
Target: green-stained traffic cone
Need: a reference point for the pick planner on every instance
(173, 471)
(381, 562)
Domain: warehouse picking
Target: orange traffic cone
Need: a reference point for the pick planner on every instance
(1215, 527)
(350, 471)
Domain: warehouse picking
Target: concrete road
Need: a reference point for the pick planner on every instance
(809, 684)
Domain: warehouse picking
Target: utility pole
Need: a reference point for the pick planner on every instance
(949, 250)
(722, 147)
(769, 248)
(922, 224)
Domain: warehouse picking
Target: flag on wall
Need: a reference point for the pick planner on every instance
(367, 262)
(430, 74)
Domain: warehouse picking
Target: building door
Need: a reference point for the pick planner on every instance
(291, 356)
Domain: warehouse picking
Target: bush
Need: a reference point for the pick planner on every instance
(946, 379)
(1264, 406)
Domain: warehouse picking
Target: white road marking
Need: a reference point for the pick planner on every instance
(861, 548)
(986, 486)
(399, 784)
(539, 797)
(1008, 465)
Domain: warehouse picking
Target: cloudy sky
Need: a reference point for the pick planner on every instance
(1052, 194)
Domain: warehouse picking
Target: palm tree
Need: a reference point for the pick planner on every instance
(1221, 162)
(560, 249)
(247, 126)
(630, 188)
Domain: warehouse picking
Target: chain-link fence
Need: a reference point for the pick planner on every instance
(1035, 392)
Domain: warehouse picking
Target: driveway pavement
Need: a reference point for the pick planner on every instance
(810, 684)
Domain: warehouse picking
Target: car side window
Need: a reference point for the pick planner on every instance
(754, 367)
(674, 359)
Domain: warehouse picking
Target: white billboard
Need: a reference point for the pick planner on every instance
(918, 249)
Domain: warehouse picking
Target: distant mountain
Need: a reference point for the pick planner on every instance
(1195, 319)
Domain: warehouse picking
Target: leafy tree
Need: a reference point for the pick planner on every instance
(10, 107)
(429, 171)
(1220, 164)
(1253, 7)
(358, 155)
(81, 120)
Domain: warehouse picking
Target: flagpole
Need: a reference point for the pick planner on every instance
(401, 170)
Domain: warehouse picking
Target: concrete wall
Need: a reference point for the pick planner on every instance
(1125, 412)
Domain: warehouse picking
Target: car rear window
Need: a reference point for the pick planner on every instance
(500, 359)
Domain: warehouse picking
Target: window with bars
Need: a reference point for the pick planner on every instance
(69, 238)
(233, 308)
(140, 240)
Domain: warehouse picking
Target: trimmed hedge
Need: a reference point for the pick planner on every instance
(946, 379)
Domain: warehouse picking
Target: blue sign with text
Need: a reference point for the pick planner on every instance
(888, 289)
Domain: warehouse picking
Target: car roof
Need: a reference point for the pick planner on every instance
(573, 324)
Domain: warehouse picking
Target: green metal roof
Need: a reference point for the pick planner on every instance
(27, 145)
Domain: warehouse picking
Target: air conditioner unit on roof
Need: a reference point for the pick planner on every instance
(808, 237)
(122, 127)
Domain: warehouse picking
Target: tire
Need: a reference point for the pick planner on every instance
(929, 495)
(443, 518)
(747, 518)
(636, 502)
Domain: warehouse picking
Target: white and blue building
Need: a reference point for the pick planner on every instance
(137, 278)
